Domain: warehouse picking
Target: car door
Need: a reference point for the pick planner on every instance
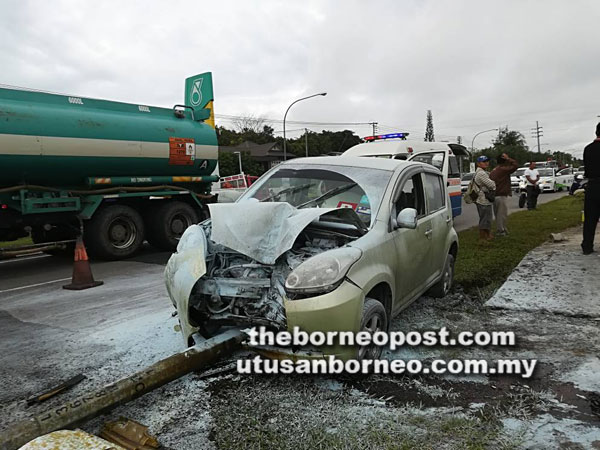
(565, 178)
(440, 219)
(412, 246)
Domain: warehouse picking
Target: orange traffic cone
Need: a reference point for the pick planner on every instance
(82, 272)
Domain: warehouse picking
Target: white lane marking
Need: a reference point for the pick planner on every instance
(34, 285)
(24, 258)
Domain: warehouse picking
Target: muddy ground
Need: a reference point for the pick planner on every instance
(558, 408)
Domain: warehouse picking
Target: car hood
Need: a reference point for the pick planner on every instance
(265, 231)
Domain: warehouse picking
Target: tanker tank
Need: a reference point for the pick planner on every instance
(58, 140)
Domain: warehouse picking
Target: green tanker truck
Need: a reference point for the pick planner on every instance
(123, 172)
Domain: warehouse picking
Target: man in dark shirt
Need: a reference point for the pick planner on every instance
(591, 161)
(501, 176)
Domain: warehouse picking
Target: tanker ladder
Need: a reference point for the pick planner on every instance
(91, 404)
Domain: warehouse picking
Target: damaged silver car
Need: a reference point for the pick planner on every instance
(325, 244)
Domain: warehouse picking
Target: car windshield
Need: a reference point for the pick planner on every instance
(467, 176)
(323, 186)
(546, 172)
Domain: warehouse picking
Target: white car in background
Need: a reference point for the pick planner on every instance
(516, 178)
(551, 180)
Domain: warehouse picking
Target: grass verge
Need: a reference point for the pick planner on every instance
(261, 412)
(22, 241)
(482, 267)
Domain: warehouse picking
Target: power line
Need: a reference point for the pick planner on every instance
(297, 122)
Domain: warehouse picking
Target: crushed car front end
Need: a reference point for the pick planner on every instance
(279, 264)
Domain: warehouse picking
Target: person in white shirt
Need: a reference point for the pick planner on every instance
(533, 190)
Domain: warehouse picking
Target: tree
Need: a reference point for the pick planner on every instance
(429, 137)
(248, 123)
(229, 164)
(323, 142)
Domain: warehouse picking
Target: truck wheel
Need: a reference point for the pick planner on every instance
(166, 226)
(115, 232)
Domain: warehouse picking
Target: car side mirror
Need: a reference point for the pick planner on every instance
(407, 218)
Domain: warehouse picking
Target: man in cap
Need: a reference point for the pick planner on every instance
(484, 185)
(591, 208)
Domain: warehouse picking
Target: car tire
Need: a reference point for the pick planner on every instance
(522, 199)
(115, 232)
(374, 318)
(167, 224)
(444, 285)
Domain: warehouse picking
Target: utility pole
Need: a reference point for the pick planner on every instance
(306, 140)
(537, 132)
(374, 125)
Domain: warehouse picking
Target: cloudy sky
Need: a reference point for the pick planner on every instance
(477, 64)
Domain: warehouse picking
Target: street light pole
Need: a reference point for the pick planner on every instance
(239, 160)
(481, 132)
(285, 115)
(306, 141)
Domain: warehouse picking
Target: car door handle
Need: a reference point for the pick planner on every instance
(428, 233)
(448, 220)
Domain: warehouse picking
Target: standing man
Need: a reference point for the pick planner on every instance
(591, 208)
(501, 176)
(484, 206)
(533, 190)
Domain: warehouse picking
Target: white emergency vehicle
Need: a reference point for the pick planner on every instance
(442, 155)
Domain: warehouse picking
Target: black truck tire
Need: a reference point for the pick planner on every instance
(114, 232)
(167, 224)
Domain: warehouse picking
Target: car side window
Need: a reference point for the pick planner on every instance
(434, 191)
(453, 170)
(436, 159)
(411, 196)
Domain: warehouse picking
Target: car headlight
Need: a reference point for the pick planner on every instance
(322, 273)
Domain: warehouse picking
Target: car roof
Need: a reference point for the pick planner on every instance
(354, 161)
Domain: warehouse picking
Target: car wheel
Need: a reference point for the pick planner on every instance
(522, 199)
(374, 318)
(443, 286)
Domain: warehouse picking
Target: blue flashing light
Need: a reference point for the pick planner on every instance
(386, 136)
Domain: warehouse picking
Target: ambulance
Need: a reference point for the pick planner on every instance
(444, 156)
